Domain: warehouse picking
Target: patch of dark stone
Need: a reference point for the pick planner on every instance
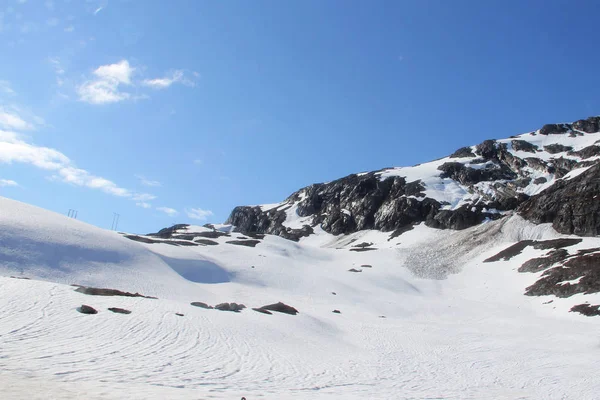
(522, 145)
(85, 309)
(234, 307)
(20, 277)
(589, 125)
(400, 231)
(179, 314)
(144, 239)
(258, 236)
(586, 152)
(366, 266)
(556, 148)
(167, 233)
(542, 263)
(336, 312)
(278, 307)
(382, 316)
(518, 247)
(548, 302)
(201, 305)
(334, 293)
(468, 176)
(363, 244)
(586, 309)
(463, 152)
(118, 310)
(555, 129)
(108, 292)
(555, 281)
(540, 180)
(354, 270)
(206, 242)
(247, 243)
(212, 235)
(363, 249)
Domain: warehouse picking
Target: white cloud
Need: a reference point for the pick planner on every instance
(69, 29)
(15, 149)
(106, 87)
(143, 205)
(12, 121)
(176, 76)
(143, 197)
(148, 182)
(5, 88)
(198, 213)
(8, 182)
(171, 212)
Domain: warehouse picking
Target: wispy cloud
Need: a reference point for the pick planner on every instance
(69, 29)
(105, 88)
(143, 197)
(5, 88)
(147, 182)
(198, 161)
(198, 213)
(171, 212)
(144, 205)
(12, 121)
(52, 22)
(177, 76)
(16, 149)
(8, 182)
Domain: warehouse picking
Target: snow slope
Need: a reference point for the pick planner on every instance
(454, 327)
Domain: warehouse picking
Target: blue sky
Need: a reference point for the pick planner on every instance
(178, 111)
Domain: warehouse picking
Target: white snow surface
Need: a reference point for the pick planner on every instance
(468, 334)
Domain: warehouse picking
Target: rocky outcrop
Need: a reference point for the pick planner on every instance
(495, 176)
(571, 206)
(108, 292)
(234, 307)
(277, 307)
(85, 309)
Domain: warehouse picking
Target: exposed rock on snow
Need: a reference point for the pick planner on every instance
(201, 305)
(85, 309)
(279, 307)
(118, 310)
(108, 292)
(586, 309)
(247, 243)
(230, 307)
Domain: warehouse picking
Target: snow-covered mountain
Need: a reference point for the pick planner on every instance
(469, 277)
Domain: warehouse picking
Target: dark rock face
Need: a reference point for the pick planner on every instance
(586, 309)
(571, 206)
(206, 242)
(392, 204)
(201, 305)
(555, 129)
(510, 252)
(586, 152)
(247, 243)
(463, 152)
(589, 125)
(555, 281)
(556, 148)
(119, 310)
(167, 233)
(108, 292)
(542, 263)
(518, 247)
(354, 270)
(279, 307)
(234, 307)
(522, 145)
(85, 309)
(336, 312)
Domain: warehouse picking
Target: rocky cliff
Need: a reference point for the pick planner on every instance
(549, 175)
